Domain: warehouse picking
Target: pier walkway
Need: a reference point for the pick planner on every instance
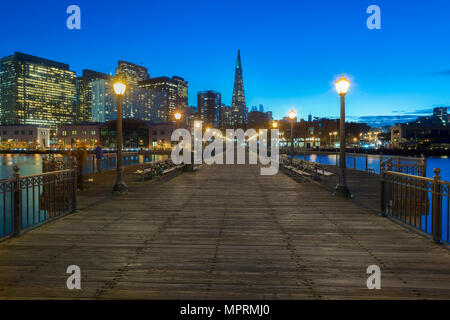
(223, 232)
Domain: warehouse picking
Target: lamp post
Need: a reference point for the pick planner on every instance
(342, 86)
(292, 115)
(119, 187)
(330, 133)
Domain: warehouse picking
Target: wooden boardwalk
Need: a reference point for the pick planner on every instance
(223, 232)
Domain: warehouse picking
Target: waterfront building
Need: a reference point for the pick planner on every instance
(84, 93)
(36, 91)
(69, 135)
(160, 135)
(176, 94)
(24, 137)
(209, 105)
(429, 132)
(138, 134)
(238, 102)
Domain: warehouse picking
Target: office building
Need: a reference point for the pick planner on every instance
(36, 91)
(209, 105)
(84, 93)
(131, 73)
(176, 93)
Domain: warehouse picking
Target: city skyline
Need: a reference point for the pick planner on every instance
(396, 71)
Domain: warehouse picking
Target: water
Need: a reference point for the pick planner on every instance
(32, 163)
(373, 162)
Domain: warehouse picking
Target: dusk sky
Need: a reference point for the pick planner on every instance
(292, 51)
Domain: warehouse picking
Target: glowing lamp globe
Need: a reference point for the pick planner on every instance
(119, 88)
(177, 116)
(292, 114)
(342, 85)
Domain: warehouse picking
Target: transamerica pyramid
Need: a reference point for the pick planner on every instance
(238, 103)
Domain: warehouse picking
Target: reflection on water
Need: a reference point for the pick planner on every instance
(373, 162)
(32, 163)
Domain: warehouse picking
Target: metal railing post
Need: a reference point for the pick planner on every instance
(382, 191)
(354, 159)
(381, 159)
(17, 203)
(436, 207)
(423, 166)
(74, 187)
(367, 163)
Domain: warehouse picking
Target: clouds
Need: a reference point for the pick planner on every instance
(441, 73)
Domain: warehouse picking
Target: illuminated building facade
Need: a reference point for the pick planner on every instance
(131, 73)
(176, 90)
(137, 103)
(36, 91)
(226, 117)
(209, 105)
(24, 137)
(84, 93)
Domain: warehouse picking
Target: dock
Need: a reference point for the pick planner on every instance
(222, 232)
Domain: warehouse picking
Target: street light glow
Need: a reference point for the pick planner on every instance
(177, 115)
(342, 85)
(119, 88)
(274, 124)
(292, 114)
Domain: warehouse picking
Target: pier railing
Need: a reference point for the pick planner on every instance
(363, 162)
(29, 201)
(420, 202)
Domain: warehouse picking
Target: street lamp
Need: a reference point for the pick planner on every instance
(342, 86)
(177, 116)
(274, 124)
(119, 187)
(292, 115)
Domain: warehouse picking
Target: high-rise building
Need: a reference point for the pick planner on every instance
(176, 90)
(131, 73)
(209, 105)
(238, 103)
(36, 91)
(441, 113)
(226, 117)
(137, 103)
(84, 93)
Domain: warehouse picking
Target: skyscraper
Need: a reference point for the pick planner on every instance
(138, 103)
(84, 93)
(37, 91)
(131, 73)
(238, 103)
(209, 105)
(176, 90)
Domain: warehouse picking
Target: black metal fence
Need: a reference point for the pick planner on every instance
(29, 201)
(366, 162)
(420, 202)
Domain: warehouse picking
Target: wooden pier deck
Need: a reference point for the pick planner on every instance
(223, 232)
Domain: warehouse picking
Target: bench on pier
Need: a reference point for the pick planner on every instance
(158, 169)
(305, 168)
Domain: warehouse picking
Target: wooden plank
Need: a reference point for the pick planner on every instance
(223, 232)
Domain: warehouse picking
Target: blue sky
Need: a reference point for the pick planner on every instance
(292, 51)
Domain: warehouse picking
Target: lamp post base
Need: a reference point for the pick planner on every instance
(342, 191)
(120, 188)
